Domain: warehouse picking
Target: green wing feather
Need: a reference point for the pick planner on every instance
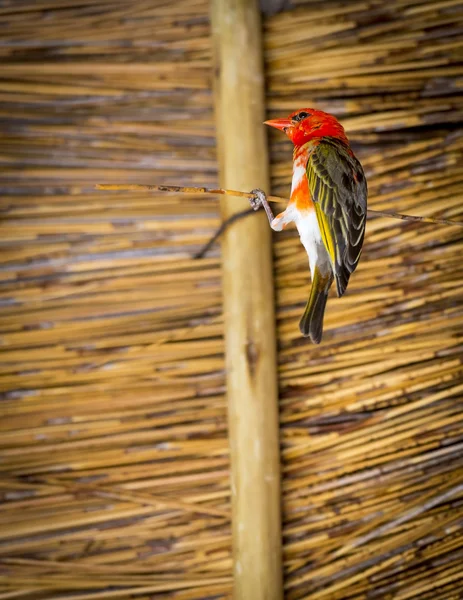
(339, 191)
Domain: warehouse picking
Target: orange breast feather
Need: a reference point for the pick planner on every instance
(300, 194)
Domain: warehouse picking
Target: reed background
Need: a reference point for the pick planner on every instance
(114, 461)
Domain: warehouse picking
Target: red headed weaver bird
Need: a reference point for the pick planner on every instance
(328, 204)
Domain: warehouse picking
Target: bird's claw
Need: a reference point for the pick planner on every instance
(258, 199)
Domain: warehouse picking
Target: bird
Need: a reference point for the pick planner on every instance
(328, 205)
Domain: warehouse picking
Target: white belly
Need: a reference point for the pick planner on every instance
(309, 232)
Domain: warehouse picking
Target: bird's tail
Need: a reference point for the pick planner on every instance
(311, 323)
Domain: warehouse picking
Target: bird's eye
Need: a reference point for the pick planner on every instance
(302, 115)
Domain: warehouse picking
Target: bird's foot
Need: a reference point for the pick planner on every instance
(260, 199)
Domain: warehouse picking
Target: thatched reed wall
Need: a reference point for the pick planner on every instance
(371, 419)
(114, 457)
(114, 441)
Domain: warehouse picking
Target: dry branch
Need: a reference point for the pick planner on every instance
(203, 190)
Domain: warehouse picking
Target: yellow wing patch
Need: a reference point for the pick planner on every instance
(327, 238)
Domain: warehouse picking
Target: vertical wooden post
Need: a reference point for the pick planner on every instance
(248, 303)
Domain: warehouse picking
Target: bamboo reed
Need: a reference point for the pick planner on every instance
(248, 305)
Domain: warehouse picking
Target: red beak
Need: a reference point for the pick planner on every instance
(281, 124)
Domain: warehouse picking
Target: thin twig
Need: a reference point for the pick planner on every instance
(204, 190)
(394, 215)
(181, 190)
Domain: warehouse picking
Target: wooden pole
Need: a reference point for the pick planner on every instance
(248, 300)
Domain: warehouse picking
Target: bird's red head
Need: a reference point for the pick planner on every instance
(307, 124)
